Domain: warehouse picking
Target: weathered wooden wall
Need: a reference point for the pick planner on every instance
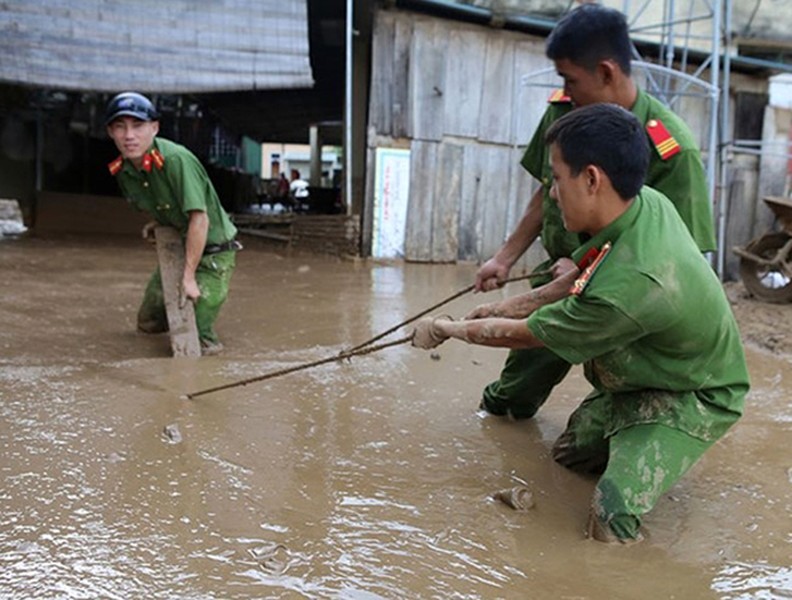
(446, 90)
(466, 100)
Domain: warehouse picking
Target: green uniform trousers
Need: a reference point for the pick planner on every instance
(525, 383)
(213, 276)
(638, 463)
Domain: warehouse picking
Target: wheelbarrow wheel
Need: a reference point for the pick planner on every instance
(766, 282)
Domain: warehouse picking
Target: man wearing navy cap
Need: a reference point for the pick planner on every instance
(168, 182)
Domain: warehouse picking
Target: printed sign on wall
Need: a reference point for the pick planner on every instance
(391, 192)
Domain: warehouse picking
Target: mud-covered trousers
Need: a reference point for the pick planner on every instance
(525, 383)
(213, 276)
(640, 463)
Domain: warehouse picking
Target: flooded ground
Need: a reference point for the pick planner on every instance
(358, 480)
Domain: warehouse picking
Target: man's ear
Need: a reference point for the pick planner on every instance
(607, 71)
(156, 127)
(593, 175)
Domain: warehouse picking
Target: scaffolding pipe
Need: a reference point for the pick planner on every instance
(725, 125)
(713, 146)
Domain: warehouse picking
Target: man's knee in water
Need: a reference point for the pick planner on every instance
(494, 404)
(567, 453)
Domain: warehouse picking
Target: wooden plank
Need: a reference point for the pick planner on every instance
(263, 233)
(181, 318)
(469, 233)
(464, 82)
(418, 234)
(498, 91)
(427, 81)
(402, 41)
(447, 195)
(493, 212)
(530, 95)
(522, 187)
(382, 79)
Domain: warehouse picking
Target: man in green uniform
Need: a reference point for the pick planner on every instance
(591, 50)
(647, 317)
(167, 181)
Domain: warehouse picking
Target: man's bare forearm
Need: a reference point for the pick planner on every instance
(523, 305)
(194, 245)
(496, 332)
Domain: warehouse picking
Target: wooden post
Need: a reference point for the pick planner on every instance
(181, 319)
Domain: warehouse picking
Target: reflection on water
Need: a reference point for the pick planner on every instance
(370, 478)
(743, 581)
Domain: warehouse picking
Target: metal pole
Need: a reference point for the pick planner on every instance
(39, 151)
(713, 146)
(348, 108)
(725, 119)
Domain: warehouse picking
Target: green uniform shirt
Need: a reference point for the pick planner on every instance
(680, 177)
(653, 326)
(169, 193)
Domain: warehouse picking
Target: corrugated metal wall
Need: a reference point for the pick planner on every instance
(171, 46)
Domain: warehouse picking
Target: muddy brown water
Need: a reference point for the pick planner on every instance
(358, 480)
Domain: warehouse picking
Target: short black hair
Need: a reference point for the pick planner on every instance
(607, 136)
(589, 34)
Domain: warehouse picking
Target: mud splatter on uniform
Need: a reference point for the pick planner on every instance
(659, 343)
(675, 168)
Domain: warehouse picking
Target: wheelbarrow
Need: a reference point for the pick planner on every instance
(766, 262)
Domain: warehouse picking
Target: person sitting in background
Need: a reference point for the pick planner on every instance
(298, 186)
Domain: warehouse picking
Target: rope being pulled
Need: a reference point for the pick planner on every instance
(361, 349)
(462, 292)
(316, 363)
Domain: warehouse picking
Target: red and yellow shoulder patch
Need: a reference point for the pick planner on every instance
(581, 282)
(153, 158)
(559, 97)
(662, 139)
(115, 166)
(158, 159)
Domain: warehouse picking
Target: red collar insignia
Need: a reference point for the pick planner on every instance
(559, 97)
(593, 262)
(154, 157)
(149, 158)
(115, 166)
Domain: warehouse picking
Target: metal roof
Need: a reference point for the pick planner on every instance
(173, 46)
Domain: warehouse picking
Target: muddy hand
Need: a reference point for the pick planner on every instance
(188, 290)
(564, 267)
(486, 311)
(427, 335)
(148, 231)
(491, 275)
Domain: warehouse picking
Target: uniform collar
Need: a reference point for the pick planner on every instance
(612, 232)
(151, 159)
(640, 107)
